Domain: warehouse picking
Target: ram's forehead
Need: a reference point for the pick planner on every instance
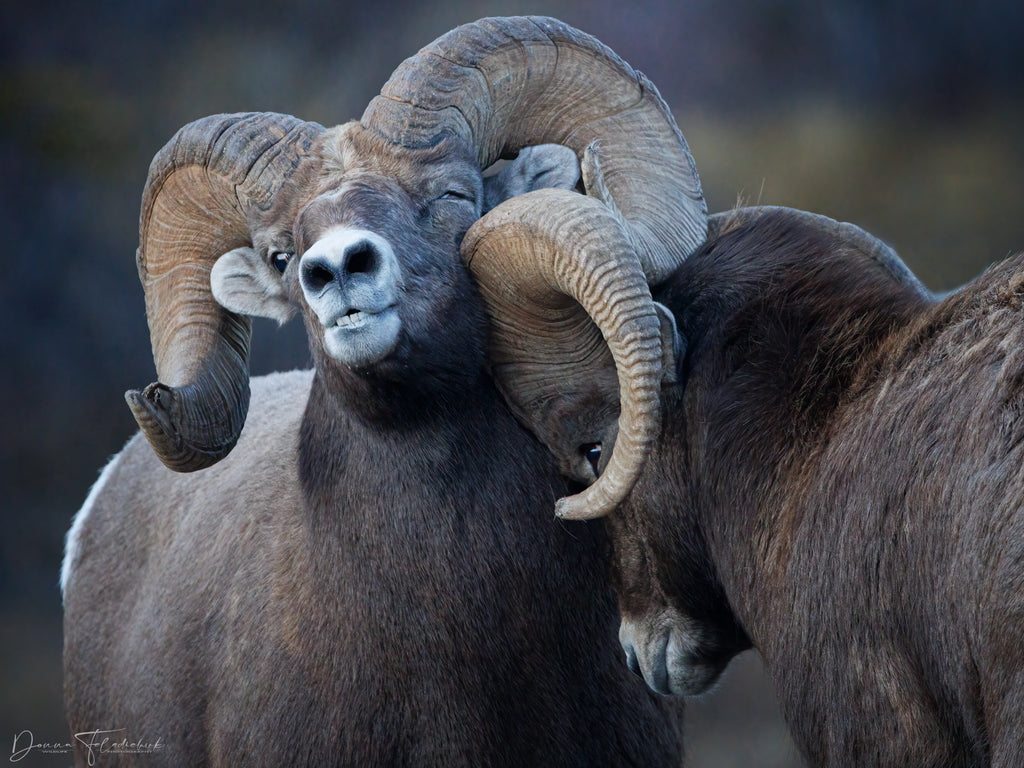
(351, 148)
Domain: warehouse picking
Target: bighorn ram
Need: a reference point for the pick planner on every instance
(838, 481)
(372, 575)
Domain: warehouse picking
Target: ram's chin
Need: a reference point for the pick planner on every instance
(362, 339)
(688, 678)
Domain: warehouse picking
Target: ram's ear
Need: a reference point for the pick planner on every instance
(245, 284)
(545, 166)
(673, 346)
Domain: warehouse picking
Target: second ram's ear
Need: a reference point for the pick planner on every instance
(246, 284)
(545, 166)
(673, 346)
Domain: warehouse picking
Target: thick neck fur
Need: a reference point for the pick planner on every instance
(443, 432)
(445, 524)
(400, 397)
(783, 326)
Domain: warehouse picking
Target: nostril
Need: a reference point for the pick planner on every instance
(344, 255)
(362, 258)
(316, 277)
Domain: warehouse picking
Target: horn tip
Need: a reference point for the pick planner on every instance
(146, 406)
(150, 406)
(579, 507)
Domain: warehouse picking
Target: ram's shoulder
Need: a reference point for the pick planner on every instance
(276, 403)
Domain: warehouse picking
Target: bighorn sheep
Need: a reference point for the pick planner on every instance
(372, 575)
(837, 482)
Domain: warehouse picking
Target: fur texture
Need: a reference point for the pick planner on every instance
(839, 484)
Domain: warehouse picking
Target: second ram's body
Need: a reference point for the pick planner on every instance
(838, 482)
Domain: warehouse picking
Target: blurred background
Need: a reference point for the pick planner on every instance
(903, 117)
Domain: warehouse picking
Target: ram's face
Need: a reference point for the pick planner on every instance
(378, 250)
(677, 630)
(368, 247)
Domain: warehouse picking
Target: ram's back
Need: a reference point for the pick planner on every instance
(149, 584)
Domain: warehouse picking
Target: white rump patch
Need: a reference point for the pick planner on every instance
(72, 544)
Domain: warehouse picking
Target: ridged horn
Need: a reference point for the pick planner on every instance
(505, 83)
(564, 288)
(203, 188)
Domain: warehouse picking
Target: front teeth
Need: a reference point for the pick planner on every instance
(351, 320)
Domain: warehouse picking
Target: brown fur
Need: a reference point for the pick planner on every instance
(839, 484)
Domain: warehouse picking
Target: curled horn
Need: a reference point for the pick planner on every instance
(558, 274)
(203, 188)
(505, 83)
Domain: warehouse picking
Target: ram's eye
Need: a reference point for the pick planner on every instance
(280, 260)
(455, 194)
(592, 453)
